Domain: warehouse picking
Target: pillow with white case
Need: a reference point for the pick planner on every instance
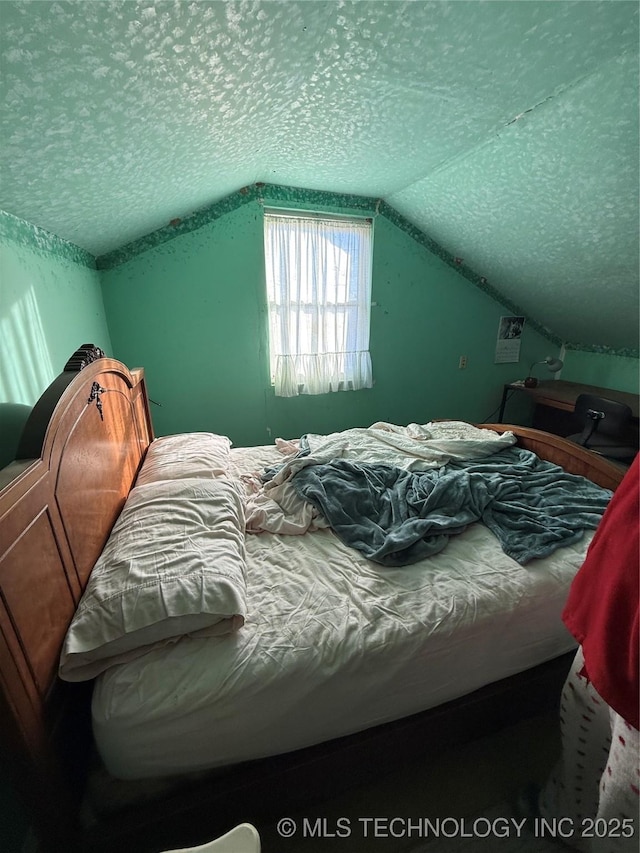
(185, 455)
(174, 565)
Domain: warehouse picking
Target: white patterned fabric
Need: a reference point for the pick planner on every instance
(596, 785)
(319, 295)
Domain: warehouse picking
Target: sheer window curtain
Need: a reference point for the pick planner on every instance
(318, 274)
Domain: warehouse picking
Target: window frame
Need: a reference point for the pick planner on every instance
(349, 307)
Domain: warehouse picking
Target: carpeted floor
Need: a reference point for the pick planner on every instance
(477, 782)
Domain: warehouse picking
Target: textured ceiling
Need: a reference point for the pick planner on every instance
(506, 131)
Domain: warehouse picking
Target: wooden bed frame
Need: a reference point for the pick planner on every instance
(78, 459)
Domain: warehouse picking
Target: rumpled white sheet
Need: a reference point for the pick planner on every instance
(332, 644)
(276, 507)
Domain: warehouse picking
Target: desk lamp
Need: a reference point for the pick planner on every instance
(554, 365)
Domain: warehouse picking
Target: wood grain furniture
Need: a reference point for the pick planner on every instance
(86, 440)
(82, 447)
(559, 397)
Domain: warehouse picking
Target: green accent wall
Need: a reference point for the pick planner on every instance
(604, 369)
(192, 310)
(188, 304)
(50, 304)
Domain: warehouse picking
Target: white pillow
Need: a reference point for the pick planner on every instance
(174, 564)
(190, 454)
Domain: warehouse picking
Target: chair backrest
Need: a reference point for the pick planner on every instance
(608, 416)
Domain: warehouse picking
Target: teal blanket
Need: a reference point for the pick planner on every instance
(396, 517)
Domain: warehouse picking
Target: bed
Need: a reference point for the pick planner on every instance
(322, 659)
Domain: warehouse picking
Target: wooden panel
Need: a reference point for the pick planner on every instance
(141, 408)
(98, 462)
(38, 602)
(17, 698)
(561, 394)
(56, 512)
(573, 458)
(37, 580)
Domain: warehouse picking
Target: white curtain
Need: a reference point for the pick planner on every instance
(318, 274)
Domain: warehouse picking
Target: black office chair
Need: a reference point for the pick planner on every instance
(606, 427)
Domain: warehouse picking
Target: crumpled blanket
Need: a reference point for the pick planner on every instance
(396, 517)
(278, 507)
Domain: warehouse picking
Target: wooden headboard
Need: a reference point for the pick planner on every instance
(566, 454)
(80, 452)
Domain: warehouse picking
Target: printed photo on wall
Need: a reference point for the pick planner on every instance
(509, 335)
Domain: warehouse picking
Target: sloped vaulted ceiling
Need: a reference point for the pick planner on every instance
(506, 131)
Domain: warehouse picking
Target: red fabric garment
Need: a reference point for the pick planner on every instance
(602, 608)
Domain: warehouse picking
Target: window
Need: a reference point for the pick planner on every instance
(318, 271)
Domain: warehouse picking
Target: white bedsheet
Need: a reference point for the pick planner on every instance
(332, 644)
(278, 508)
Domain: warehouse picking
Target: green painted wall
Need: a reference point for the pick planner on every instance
(192, 310)
(603, 369)
(50, 304)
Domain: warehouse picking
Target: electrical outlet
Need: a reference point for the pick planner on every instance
(462, 363)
